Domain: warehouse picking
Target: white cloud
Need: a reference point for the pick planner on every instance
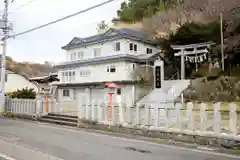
(45, 44)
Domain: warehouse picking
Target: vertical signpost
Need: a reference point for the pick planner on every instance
(158, 73)
(158, 83)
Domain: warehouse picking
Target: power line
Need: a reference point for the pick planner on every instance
(63, 18)
(21, 6)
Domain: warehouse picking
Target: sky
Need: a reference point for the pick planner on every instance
(45, 44)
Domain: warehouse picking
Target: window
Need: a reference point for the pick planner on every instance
(63, 76)
(66, 93)
(73, 56)
(97, 52)
(130, 46)
(149, 51)
(68, 76)
(119, 91)
(111, 69)
(133, 67)
(6, 77)
(85, 73)
(117, 46)
(80, 55)
(73, 75)
(135, 47)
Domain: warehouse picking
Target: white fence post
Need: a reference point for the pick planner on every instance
(137, 118)
(190, 116)
(114, 114)
(87, 109)
(121, 113)
(93, 118)
(217, 118)
(147, 115)
(80, 110)
(38, 109)
(99, 111)
(165, 116)
(203, 117)
(156, 117)
(129, 114)
(105, 113)
(233, 118)
(179, 115)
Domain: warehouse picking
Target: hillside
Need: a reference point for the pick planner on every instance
(29, 69)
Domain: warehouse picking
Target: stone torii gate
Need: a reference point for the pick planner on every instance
(192, 49)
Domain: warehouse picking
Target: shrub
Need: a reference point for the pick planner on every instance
(25, 93)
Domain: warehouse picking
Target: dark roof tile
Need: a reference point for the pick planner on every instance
(110, 34)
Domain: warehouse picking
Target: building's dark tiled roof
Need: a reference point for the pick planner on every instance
(118, 57)
(109, 35)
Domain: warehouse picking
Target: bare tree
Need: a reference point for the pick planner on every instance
(203, 11)
(212, 8)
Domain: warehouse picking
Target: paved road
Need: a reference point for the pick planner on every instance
(30, 140)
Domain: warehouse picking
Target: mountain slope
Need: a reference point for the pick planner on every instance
(29, 69)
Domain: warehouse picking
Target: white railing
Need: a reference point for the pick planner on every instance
(21, 106)
(30, 107)
(214, 120)
(200, 119)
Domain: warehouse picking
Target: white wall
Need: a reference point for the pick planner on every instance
(98, 72)
(96, 94)
(107, 49)
(16, 81)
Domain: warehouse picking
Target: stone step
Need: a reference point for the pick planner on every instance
(61, 115)
(60, 122)
(62, 118)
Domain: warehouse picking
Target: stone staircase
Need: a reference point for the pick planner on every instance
(60, 119)
(169, 93)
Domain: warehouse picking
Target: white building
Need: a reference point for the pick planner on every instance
(16, 81)
(108, 57)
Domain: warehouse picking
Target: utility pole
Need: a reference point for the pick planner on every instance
(4, 49)
(221, 28)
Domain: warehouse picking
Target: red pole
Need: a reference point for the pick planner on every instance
(110, 105)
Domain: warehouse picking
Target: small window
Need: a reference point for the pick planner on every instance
(85, 73)
(80, 55)
(111, 68)
(117, 46)
(97, 52)
(66, 93)
(63, 76)
(73, 75)
(119, 92)
(131, 46)
(149, 51)
(73, 56)
(6, 77)
(135, 47)
(133, 67)
(66, 74)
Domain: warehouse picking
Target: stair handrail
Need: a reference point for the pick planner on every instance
(174, 74)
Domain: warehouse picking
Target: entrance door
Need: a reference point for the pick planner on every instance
(82, 96)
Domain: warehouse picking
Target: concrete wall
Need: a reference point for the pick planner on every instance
(16, 81)
(98, 73)
(96, 94)
(107, 49)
